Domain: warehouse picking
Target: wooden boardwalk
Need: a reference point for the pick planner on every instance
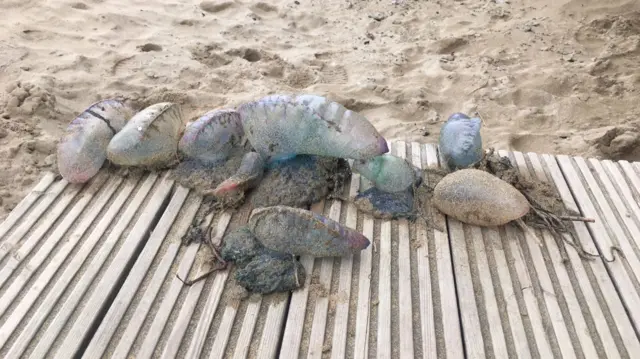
(89, 272)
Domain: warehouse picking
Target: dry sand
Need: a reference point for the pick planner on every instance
(557, 77)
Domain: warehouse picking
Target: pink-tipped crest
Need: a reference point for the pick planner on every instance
(383, 147)
(358, 241)
(225, 187)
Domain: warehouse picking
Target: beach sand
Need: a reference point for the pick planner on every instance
(559, 77)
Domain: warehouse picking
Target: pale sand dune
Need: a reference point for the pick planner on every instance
(545, 76)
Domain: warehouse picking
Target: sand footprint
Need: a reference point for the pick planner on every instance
(149, 47)
(249, 54)
(333, 74)
(209, 55)
(215, 6)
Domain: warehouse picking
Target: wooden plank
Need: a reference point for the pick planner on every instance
(547, 293)
(340, 327)
(627, 209)
(404, 277)
(30, 329)
(597, 233)
(14, 261)
(428, 331)
(525, 290)
(632, 176)
(125, 295)
(166, 319)
(363, 312)
(75, 336)
(271, 338)
(384, 292)
(469, 316)
(248, 325)
(294, 326)
(451, 330)
(520, 342)
(318, 326)
(486, 278)
(25, 204)
(628, 285)
(568, 309)
(52, 213)
(210, 306)
(562, 270)
(160, 320)
(224, 331)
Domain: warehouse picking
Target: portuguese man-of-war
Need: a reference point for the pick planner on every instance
(281, 126)
(149, 139)
(298, 231)
(460, 143)
(212, 137)
(83, 149)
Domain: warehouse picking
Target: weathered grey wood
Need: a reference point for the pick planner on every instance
(405, 305)
(363, 314)
(535, 304)
(464, 286)
(210, 306)
(74, 337)
(451, 330)
(341, 325)
(14, 261)
(562, 270)
(427, 320)
(319, 323)
(541, 273)
(53, 193)
(116, 311)
(43, 311)
(622, 331)
(25, 204)
(294, 324)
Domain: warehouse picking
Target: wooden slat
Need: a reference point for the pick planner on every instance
(581, 183)
(319, 324)
(271, 334)
(412, 293)
(93, 305)
(621, 199)
(491, 306)
(109, 324)
(563, 286)
(47, 307)
(26, 273)
(294, 325)
(162, 317)
(210, 306)
(14, 261)
(383, 337)
(427, 323)
(450, 326)
(25, 204)
(363, 311)
(48, 205)
(496, 254)
(160, 320)
(559, 336)
(340, 328)
(248, 325)
(405, 305)
(464, 286)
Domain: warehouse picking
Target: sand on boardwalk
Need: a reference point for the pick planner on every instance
(547, 76)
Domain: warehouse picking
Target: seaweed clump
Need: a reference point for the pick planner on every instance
(301, 181)
(547, 207)
(261, 270)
